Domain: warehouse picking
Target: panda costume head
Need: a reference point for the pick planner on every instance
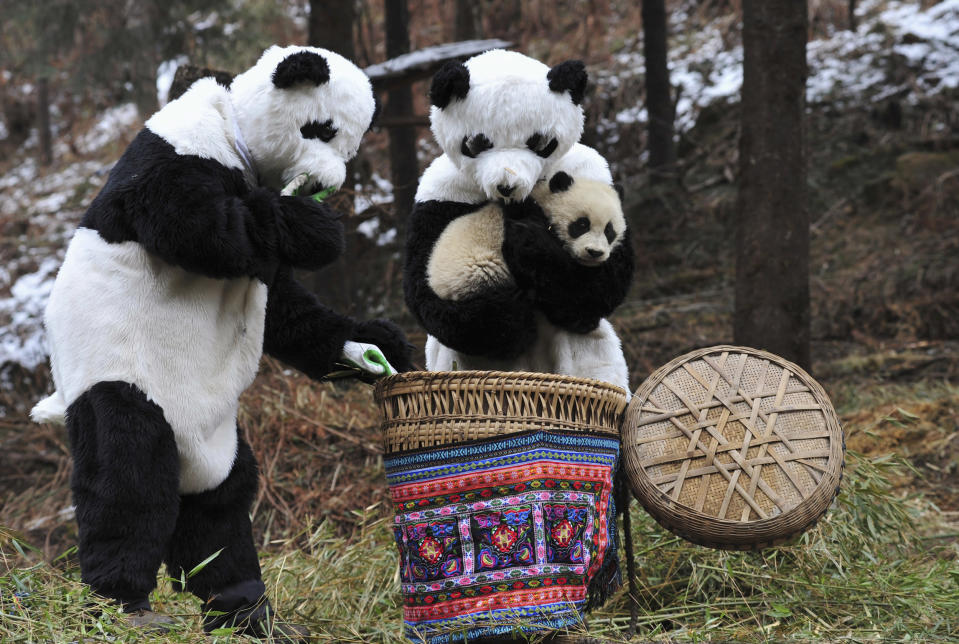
(505, 119)
(585, 214)
(302, 110)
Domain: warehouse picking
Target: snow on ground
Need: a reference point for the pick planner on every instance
(845, 67)
(115, 120)
(380, 193)
(40, 209)
(165, 73)
(21, 337)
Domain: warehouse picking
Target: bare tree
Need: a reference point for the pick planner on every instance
(43, 120)
(331, 27)
(467, 23)
(772, 255)
(404, 168)
(659, 102)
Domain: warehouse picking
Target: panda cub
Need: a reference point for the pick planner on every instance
(565, 244)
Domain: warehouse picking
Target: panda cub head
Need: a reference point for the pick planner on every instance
(504, 119)
(302, 110)
(586, 215)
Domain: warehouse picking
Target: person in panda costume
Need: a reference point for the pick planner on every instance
(495, 283)
(178, 278)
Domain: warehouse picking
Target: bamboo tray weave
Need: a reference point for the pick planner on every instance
(732, 447)
(424, 409)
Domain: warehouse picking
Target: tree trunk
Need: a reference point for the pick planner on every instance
(404, 168)
(852, 15)
(331, 27)
(772, 254)
(43, 120)
(659, 102)
(466, 25)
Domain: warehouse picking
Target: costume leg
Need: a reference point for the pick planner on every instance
(124, 481)
(219, 520)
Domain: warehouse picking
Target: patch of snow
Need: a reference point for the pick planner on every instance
(52, 203)
(111, 125)
(22, 339)
(846, 66)
(380, 193)
(165, 73)
(206, 23)
(424, 58)
(4, 133)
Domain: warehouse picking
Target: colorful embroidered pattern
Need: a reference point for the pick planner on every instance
(503, 534)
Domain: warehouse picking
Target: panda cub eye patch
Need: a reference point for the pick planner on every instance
(539, 144)
(322, 131)
(473, 146)
(609, 232)
(578, 228)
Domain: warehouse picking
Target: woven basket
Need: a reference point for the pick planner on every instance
(733, 448)
(501, 485)
(425, 409)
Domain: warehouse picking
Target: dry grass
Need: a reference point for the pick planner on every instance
(880, 565)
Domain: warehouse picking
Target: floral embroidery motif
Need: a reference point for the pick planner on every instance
(503, 538)
(433, 551)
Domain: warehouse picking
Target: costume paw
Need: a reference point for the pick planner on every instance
(303, 185)
(366, 357)
(390, 339)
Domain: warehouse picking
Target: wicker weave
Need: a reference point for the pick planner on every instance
(425, 409)
(732, 447)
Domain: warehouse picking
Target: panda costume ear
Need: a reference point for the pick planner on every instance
(569, 76)
(301, 67)
(560, 182)
(451, 81)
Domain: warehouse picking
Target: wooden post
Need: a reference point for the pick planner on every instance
(404, 167)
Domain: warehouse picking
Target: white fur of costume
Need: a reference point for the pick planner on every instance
(119, 313)
(138, 314)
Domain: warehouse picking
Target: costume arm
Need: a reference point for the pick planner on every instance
(497, 323)
(308, 336)
(199, 215)
(570, 295)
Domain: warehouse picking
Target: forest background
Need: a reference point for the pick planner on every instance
(879, 134)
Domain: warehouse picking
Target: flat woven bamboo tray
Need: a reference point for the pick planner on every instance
(425, 409)
(733, 448)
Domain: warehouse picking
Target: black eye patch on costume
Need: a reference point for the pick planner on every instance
(473, 146)
(578, 228)
(322, 131)
(542, 146)
(609, 232)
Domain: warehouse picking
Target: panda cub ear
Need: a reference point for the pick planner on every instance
(618, 187)
(560, 182)
(569, 75)
(301, 67)
(451, 81)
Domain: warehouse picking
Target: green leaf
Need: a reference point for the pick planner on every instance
(200, 566)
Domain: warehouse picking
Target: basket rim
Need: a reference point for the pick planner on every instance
(395, 381)
(735, 534)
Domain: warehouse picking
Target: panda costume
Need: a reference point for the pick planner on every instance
(507, 124)
(178, 278)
